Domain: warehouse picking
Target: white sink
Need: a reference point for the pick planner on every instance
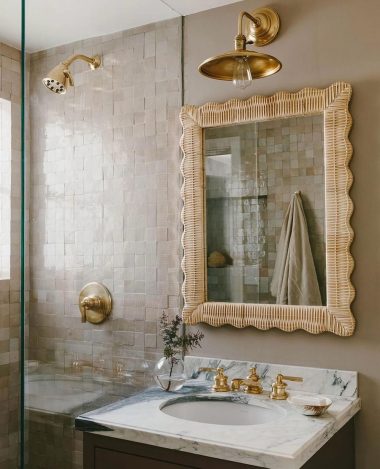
(222, 411)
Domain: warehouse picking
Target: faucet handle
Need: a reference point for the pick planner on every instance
(253, 375)
(279, 386)
(95, 303)
(253, 382)
(90, 302)
(220, 380)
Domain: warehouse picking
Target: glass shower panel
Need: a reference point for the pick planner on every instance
(102, 142)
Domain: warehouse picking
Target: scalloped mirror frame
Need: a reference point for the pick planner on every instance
(336, 317)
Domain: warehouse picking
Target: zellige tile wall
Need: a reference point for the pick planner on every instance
(290, 154)
(105, 196)
(10, 86)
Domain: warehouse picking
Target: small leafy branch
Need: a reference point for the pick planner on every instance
(175, 343)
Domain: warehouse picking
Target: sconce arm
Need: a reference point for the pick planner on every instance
(242, 14)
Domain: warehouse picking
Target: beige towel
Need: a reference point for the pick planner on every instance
(295, 279)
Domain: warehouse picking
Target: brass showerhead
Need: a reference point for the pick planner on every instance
(60, 78)
(241, 65)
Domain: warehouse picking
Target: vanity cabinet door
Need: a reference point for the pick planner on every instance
(102, 452)
(106, 459)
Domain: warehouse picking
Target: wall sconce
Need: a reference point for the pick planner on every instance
(241, 66)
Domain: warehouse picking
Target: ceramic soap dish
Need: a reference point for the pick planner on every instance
(310, 405)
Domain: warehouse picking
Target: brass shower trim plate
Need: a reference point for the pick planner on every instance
(95, 303)
(268, 29)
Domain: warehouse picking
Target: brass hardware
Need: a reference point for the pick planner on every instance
(265, 29)
(220, 380)
(279, 387)
(95, 303)
(263, 26)
(236, 383)
(251, 383)
(60, 78)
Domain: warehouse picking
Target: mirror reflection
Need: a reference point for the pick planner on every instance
(265, 212)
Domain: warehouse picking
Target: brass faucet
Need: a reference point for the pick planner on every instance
(220, 380)
(279, 387)
(251, 383)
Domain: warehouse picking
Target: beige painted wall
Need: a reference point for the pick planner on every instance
(321, 41)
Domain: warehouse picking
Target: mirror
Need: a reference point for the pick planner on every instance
(266, 212)
(253, 174)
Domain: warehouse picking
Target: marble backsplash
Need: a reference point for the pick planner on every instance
(332, 382)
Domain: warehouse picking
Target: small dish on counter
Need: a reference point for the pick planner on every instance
(310, 405)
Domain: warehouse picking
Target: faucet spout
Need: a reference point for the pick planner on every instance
(251, 383)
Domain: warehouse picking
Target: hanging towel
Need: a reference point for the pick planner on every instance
(294, 278)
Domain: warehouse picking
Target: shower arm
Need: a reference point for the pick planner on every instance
(93, 61)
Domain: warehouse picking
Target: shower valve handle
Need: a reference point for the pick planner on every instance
(95, 303)
(90, 302)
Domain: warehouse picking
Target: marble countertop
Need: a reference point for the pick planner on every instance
(287, 444)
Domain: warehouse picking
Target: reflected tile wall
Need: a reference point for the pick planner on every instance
(290, 153)
(252, 172)
(105, 196)
(10, 85)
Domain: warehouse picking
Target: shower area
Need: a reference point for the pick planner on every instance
(87, 124)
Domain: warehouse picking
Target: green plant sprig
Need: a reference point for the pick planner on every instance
(175, 343)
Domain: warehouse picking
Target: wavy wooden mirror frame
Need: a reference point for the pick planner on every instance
(336, 317)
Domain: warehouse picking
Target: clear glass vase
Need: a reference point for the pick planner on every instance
(169, 373)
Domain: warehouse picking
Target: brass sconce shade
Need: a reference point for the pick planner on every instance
(221, 67)
(60, 78)
(241, 65)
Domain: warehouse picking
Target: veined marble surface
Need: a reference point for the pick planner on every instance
(315, 380)
(287, 443)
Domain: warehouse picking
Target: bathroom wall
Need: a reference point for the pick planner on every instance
(105, 197)
(317, 46)
(10, 86)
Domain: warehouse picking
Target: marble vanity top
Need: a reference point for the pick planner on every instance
(286, 444)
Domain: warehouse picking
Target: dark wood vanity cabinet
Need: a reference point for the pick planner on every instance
(102, 452)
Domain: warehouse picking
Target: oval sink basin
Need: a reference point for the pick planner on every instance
(221, 411)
